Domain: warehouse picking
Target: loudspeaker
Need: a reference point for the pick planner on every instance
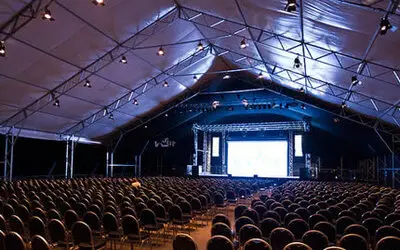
(255, 176)
(195, 171)
(304, 174)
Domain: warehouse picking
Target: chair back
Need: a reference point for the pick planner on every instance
(248, 232)
(184, 242)
(16, 225)
(353, 242)
(219, 242)
(81, 233)
(70, 218)
(297, 246)
(298, 227)
(110, 223)
(388, 243)
(220, 228)
(130, 226)
(57, 231)
(315, 239)
(92, 220)
(37, 227)
(358, 229)
(221, 218)
(14, 241)
(328, 229)
(280, 237)
(241, 221)
(39, 243)
(256, 244)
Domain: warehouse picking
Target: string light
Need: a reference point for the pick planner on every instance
(344, 105)
(160, 51)
(226, 77)
(56, 103)
(291, 6)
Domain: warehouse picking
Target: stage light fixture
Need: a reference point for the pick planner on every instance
(385, 25)
(47, 14)
(111, 116)
(195, 78)
(87, 84)
(260, 75)
(245, 102)
(2, 49)
(302, 106)
(56, 103)
(145, 126)
(161, 51)
(98, 2)
(301, 90)
(166, 115)
(215, 104)
(226, 77)
(165, 84)
(291, 6)
(297, 63)
(200, 46)
(336, 120)
(344, 105)
(136, 102)
(355, 81)
(243, 44)
(123, 60)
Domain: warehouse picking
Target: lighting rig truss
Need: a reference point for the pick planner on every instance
(287, 44)
(138, 91)
(106, 59)
(247, 127)
(23, 17)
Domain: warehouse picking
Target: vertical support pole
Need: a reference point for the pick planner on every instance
(67, 160)
(205, 152)
(140, 166)
(209, 140)
(341, 167)
(318, 168)
(107, 162)
(12, 154)
(6, 157)
(223, 154)
(308, 162)
(112, 165)
(393, 165)
(291, 152)
(196, 146)
(71, 165)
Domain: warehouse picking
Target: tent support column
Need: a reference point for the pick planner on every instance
(196, 146)
(10, 140)
(291, 152)
(107, 162)
(71, 165)
(112, 164)
(67, 159)
(223, 154)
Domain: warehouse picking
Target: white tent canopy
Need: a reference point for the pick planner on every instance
(50, 61)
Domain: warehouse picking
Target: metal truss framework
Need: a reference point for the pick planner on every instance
(23, 17)
(262, 126)
(106, 59)
(69, 159)
(10, 141)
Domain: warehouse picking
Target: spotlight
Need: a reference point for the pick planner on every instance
(56, 103)
(2, 49)
(195, 78)
(301, 90)
(226, 77)
(47, 14)
(136, 102)
(355, 81)
(200, 46)
(243, 44)
(245, 102)
(336, 120)
(385, 25)
(344, 105)
(160, 51)
(98, 2)
(215, 104)
(166, 114)
(87, 84)
(165, 84)
(260, 75)
(123, 60)
(297, 63)
(145, 126)
(291, 6)
(302, 106)
(111, 116)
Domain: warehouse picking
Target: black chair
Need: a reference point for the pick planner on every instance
(282, 212)
(314, 219)
(297, 246)
(70, 218)
(252, 214)
(298, 227)
(267, 225)
(128, 211)
(220, 228)
(261, 210)
(241, 221)
(391, 218)
(303, 212)
(353, 242)
(14, 241)
(39, 212)
(39, 243)
(161, 213)
(239, 210)
(358, 229)
(289, 217)
(328, 229)
(388, 243)
(372, 224)
(177, 219)
(58, 234)
(342, 223)
(37, 227)
(149, 222)
(2, 236)
(184, 242)
(248, 232)
(131, 231)
(16, 225)
(82, 237)
(256, 244)
(23, 213)
(315, 239)
(280, 237)
(385, 231)
(221, 218)
(219, 242)
(53, 214)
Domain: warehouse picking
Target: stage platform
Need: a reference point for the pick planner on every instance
(208, 175)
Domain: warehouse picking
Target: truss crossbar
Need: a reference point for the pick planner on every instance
(263, 126)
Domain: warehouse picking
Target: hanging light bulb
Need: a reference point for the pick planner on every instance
(344, 105)
(2, 49)
(98, 2)
(226, 77)
(161, 51)
(56, 103)
(165, 84)
(87, 84)
(200, 46)
(195, 78)
(243, 44)
(245, 102)
(47, 14)
(260, 75)
(123, 60)
(111, 116)
(136, 102)
(291, 5)
(301, 90)
(297, 63)
(385, 25)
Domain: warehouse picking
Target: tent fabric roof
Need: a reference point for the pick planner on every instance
(334, 40)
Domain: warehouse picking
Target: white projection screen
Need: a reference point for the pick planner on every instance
(263, 158)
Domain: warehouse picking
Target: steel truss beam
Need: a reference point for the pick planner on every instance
(77, 79)
(372, 6)
(262, 126)
(332, 58)
(138, 91)
(316, 85)
(23, 17)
